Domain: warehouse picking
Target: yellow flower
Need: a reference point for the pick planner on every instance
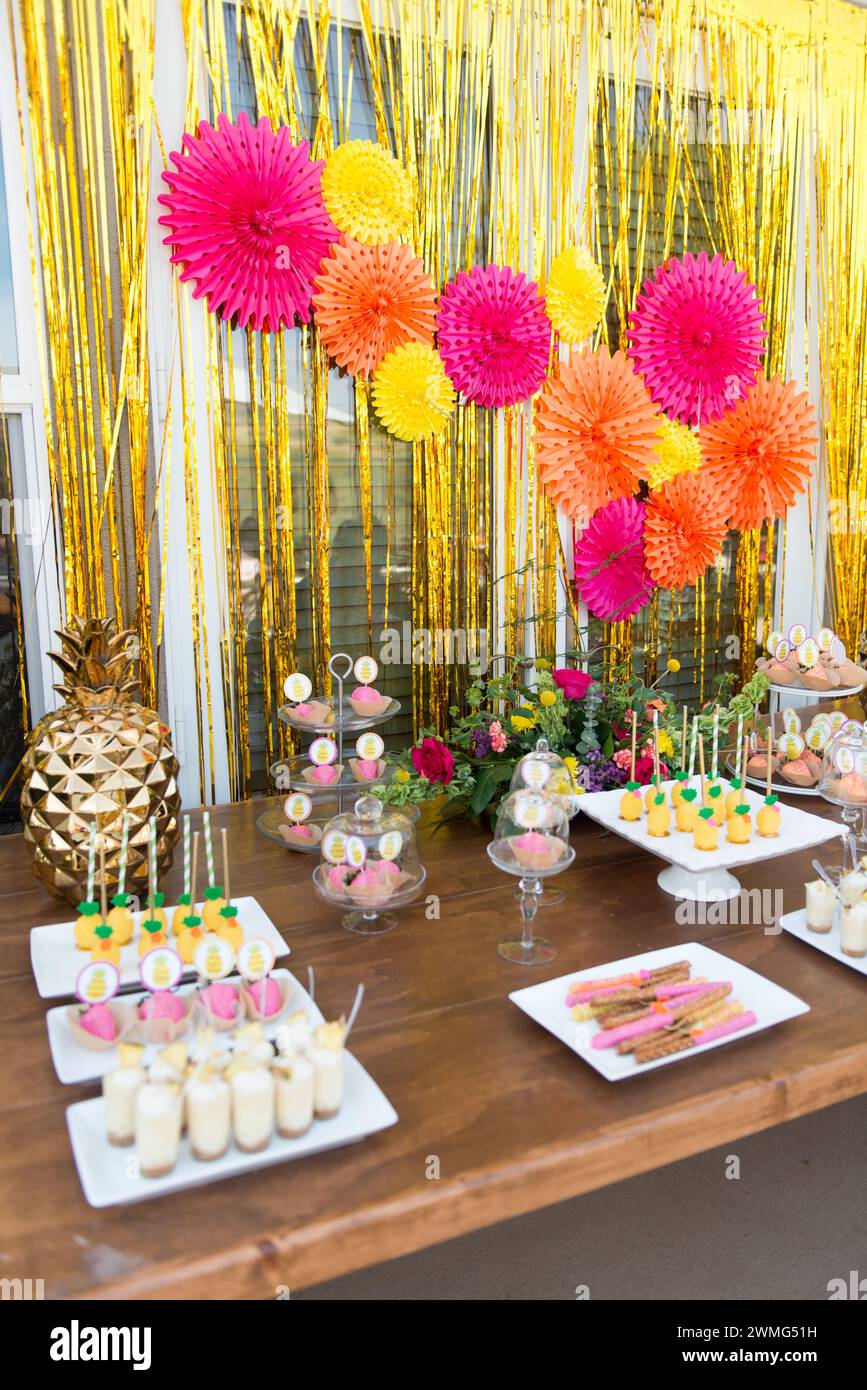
(548, 698)
(677, 451)
(520, 723)
(541, 664)
(666, 747)
(368, 192)
(401, 775)
(673, 664)
(572, 764)
(411, 392)
(574, 294)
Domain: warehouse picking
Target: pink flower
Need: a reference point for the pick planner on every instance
(498, 738)
(433, 760)
(644, 769)
(623, 757)
(574, 684)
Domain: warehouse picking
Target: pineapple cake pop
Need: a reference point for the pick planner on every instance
(681, 777)
(738, 782)
(214, 900)
(186, 902)
(120, 917)
(89, 917)
(228, 926)
(631, 805)
(659, 811)
(706, 834)
(192, 928)
(739, 825)
(686, 812)
(153, 927)
(768, 818)
(106, 947)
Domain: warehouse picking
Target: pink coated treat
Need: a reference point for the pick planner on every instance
(100, 1022)
(323, 773)
(365, 876)
(220, 1000)
(303, 711)
(365, 694)
(386, 866)
(303, 831)
(584, 989)
(162, 1004)
(337, 876)
(269, 991)
(366, 769)
(685, 987)
(721, 1030)
(610, 1037)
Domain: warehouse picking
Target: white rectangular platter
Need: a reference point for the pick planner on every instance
(76, 1065)
(798, 830)
(57, 961)
(828, 942)
(546, 1005)
(109, 1175)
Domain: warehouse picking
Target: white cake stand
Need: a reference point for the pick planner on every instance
(705, 876)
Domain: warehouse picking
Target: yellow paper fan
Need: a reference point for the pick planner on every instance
(678, 451)
(411, 392)
(368, 194)
(574, 294)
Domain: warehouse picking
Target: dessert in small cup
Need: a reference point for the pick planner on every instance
(367, 703)
(158, 1121)
(252, 1104)
(535, 849)
(119, 1088)
(326, 1054)
(821, 905)
(853, 929)
(209, 1112)
(294, 1090)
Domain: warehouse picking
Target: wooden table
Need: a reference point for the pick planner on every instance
(513, 1119)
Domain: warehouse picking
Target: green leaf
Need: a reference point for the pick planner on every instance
(486, 785)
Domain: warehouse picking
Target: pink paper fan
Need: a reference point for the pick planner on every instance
(247, 222)
(610, 574)
(494, 335)
(696, 335)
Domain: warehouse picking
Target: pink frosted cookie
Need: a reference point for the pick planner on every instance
(337, 876)
(324, 773)
(310, 712)
(162, 1004)
(366, 769)
(99, 1021)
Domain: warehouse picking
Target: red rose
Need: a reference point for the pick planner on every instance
(574, 684)
(644, 769)
(433, 760)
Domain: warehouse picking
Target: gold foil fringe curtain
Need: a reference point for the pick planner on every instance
(642, 129)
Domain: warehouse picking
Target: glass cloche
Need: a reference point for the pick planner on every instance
(531, 840)
(844, 775)
(369, 863)
(545, 771)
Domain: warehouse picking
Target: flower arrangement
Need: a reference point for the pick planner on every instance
(586, 719)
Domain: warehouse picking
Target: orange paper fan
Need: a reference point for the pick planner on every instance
(370, 300)
(758, 455)
(596, 432)
(684, 528)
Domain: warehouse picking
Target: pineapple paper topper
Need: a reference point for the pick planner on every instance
(160, 969)
(98, 982)
(255, 959)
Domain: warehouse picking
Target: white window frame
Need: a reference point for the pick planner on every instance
(21, 394)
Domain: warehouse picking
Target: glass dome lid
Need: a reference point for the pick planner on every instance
(532, 833)
(369, 835)
(844, 766)
(543, 770)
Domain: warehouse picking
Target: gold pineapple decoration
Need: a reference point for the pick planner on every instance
(99, 755)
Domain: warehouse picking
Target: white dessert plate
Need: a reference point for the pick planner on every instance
(829, 942)
(546, 1005)
(76, 1065)
(109, 1175)
(701, 874)
(57, 961)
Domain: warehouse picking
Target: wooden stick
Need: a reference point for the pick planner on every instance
(701, 768)
(102, 897)
(194, 873)
(683, 741)
(634, 735)
(744, 762)
(227, 892)
(656, 749)
(770, 750)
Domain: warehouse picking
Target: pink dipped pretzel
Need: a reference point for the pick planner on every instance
(721, 1030)
(658, 1017)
